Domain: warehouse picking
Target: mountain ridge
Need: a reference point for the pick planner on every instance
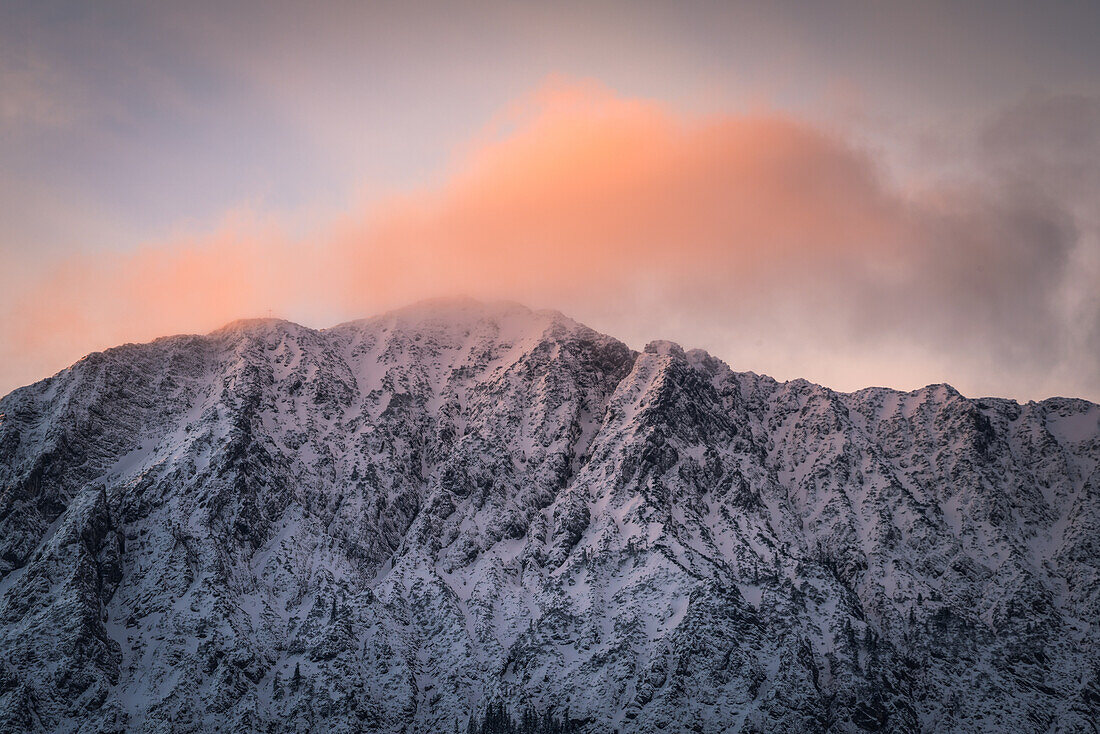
(444, 305)
(454, 503)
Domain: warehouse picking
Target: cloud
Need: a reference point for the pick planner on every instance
(777, 245)
(31, 93)
(1047, 147)
(1052, 140)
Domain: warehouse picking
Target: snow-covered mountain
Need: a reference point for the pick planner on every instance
(457, 504)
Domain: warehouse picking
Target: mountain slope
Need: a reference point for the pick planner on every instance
(455, 504)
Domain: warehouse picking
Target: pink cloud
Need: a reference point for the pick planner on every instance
(755, 224)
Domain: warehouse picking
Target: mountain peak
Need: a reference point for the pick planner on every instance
(255, 325)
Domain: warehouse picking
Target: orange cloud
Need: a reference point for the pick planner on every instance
(587, 188)
(764, 227)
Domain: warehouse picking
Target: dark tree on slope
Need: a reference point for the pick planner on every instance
(498, 720)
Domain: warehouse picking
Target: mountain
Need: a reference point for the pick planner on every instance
(391, 524)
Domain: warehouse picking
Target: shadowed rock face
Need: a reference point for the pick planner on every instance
(455, 504)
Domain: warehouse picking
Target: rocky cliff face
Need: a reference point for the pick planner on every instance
(386, 525)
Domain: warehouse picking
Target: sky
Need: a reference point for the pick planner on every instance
(857, 193)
